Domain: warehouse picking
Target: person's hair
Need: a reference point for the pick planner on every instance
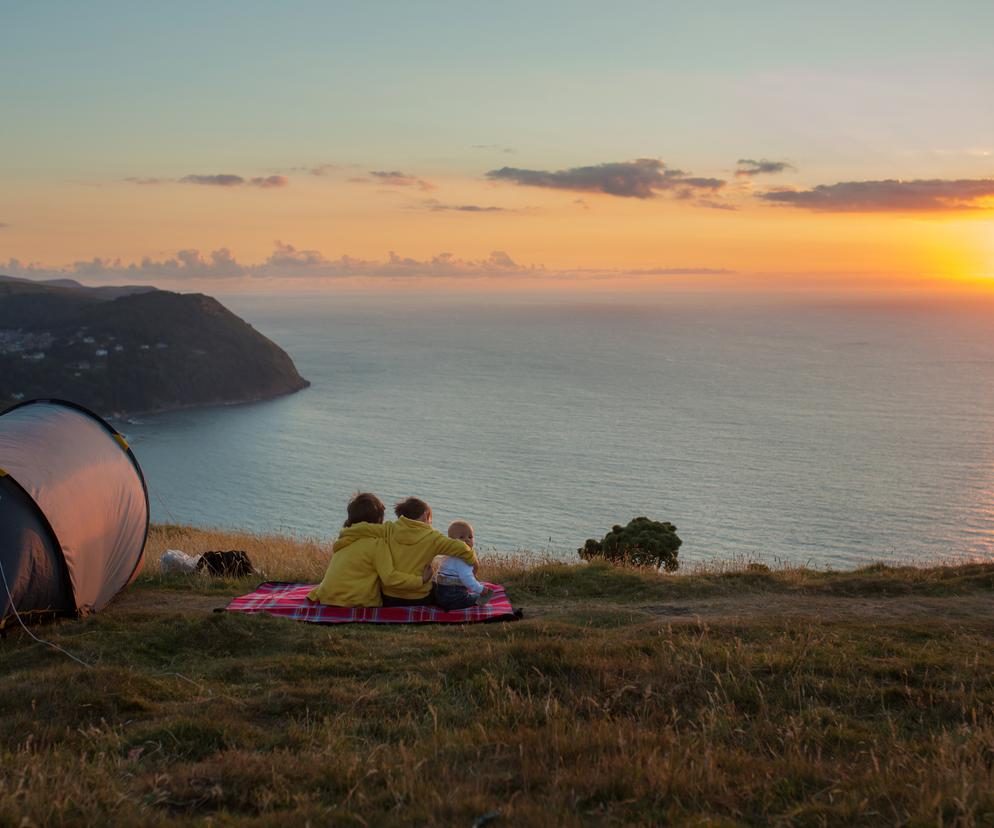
(458, 526)
(364, 507)
(412, 508)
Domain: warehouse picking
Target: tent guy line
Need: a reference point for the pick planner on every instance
(24, 626)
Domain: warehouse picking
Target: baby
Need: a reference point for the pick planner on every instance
(455, 581)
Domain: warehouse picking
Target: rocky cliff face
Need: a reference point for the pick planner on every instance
(140, 351)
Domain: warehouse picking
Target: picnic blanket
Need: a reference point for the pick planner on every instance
(290, 601)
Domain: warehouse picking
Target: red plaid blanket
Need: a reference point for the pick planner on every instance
(290, 601)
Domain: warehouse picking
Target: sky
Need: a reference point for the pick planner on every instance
(583, 146)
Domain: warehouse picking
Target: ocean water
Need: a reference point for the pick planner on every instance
(819, 435)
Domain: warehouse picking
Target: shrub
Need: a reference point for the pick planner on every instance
(642, 542)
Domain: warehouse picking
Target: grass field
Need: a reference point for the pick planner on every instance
(720, 697)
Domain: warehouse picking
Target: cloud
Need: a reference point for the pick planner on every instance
(268, 182)
(317, 170)
(643, 178)
(680, 271)
(288, 256)
(395, 178)
(437, 207)
(750, 167)
(714, 204)
(469, 208)
(321, 169)
(494, 148)
(288, 262)
(699, 183)
(186, 264)
(920, 195)
(224, 180)
(221, 180)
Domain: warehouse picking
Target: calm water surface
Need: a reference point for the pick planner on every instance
(830, 436)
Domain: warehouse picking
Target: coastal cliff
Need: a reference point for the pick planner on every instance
(132, 349)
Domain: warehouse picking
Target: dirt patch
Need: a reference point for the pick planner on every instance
(165, 602)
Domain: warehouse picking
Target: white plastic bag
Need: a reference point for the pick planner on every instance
(175, 561)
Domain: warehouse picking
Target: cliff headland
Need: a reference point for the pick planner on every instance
(129, 349)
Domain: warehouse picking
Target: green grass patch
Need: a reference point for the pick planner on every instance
(603, 581)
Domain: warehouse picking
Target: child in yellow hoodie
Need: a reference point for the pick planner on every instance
(361, 560)
(413, 543)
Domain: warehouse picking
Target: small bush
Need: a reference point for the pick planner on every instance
(642, 542)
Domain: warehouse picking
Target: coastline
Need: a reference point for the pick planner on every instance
(119, 416)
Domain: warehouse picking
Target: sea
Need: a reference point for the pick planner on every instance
(787, 432)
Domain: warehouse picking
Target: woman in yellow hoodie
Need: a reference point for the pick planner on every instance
(361, 560)
(413, 543)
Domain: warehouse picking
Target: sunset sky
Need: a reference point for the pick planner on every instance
(250, 146)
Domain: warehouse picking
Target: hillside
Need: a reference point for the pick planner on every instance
(132, 349)
(10, 285)
(624, 697)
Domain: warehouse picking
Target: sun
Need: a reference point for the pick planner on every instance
(961, 253)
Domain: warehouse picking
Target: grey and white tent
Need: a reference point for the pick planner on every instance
(73, 510)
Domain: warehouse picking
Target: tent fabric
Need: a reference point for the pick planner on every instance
(290, 601)
(87, 486)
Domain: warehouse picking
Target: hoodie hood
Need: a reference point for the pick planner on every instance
(408, 532)
(360, 531)
(413, 544)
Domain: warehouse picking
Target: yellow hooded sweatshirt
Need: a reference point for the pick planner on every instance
(412, 545)
(360, 562)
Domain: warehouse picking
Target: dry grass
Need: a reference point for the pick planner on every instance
(288, 558)
(596, 714)
(277, 557)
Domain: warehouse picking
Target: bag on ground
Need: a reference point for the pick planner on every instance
(174, 560)
(231, 564)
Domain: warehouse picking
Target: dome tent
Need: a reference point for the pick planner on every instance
(74, 510)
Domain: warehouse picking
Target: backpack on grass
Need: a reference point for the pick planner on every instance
(231, 564)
